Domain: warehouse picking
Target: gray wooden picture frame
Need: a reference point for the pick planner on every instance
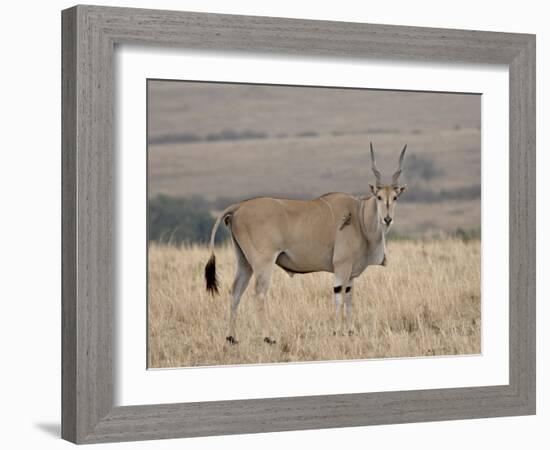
(90, 34)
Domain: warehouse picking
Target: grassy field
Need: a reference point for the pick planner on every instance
(425, 302)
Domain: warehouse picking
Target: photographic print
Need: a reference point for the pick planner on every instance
(298, 224)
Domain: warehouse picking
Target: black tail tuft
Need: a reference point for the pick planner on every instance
(210, 276)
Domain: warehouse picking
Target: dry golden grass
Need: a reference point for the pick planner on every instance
(425, 302)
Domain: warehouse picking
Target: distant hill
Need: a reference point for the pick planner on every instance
(240, 141)
(203, 108)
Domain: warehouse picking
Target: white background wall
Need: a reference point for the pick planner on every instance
(30, 185)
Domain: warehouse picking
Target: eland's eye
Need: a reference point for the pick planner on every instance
(395, 198)
(379, 198)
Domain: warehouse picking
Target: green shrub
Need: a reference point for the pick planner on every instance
(181, 220)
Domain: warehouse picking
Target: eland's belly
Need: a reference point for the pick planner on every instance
(304, 261)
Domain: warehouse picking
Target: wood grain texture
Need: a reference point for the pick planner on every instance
(89, 36)
(68, 226)
(88, 211)
(523, 224)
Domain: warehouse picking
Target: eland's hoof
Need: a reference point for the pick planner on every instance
(351, 333)
(269, 340)
(231, 340)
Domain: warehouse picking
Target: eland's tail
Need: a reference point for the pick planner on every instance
(212, 283)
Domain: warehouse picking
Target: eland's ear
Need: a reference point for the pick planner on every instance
(373, 189)
(400, 189)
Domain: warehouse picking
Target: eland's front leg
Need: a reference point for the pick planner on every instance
(348, 306)
(337, 307)
(341, 281)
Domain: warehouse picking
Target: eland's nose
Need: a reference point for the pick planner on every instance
(388, 220)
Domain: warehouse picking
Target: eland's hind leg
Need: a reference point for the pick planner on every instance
(263, 280)
(242, 277)
(261, 259)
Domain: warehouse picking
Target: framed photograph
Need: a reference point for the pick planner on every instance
(278, 224)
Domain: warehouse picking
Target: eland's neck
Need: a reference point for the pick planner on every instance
(371, 227)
